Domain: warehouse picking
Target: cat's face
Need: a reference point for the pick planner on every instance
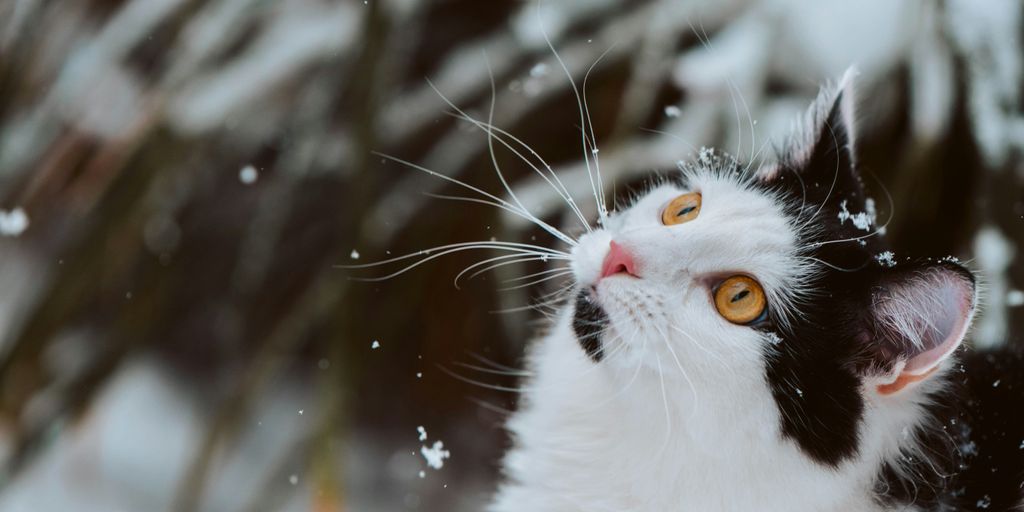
(675, 271)
(776, 282)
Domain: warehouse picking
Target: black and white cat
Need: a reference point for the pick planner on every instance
(746, 341)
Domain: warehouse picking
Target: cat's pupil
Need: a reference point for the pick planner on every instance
(686, 210)
(740, 296)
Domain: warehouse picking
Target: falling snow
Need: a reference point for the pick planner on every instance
(969, 448)
(886, 258)
(862, 220)
(1015, 298)
(435, 455)
(354, 254)
(13, 223)
(423, 433)
(248, 175)
(375, 345)
(672, 111)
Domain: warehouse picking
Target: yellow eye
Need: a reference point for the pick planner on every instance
(740, 300)
(682, 209)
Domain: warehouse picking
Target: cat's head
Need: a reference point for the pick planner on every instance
(776, 282)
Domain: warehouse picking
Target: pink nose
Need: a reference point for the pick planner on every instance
(618, 261)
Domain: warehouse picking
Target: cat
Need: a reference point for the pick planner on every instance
(746, 340)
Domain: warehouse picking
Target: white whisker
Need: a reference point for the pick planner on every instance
(458, 248)
(535, 282)
(693, 389)
(536, 274)
(481, 369)
(739, 125)
(560, 189)
(534, 256)
(491, 362)
(664, 401)
(513, 262)
(524, 214)
(485, 385)
(602, 214)
(491, 244)
(602, 206)
(547, 300)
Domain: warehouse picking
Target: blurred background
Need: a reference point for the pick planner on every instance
(181, 179)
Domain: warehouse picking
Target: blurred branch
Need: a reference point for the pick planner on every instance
(21, 367)
(322, 298)
(462, 76)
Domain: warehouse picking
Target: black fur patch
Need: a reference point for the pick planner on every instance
(589, 322)
(814, 373)
(817, 390)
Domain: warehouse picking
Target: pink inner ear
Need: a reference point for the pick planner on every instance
(930, 314)
(929, 359)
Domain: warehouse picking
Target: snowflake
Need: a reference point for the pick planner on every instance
(886, 258)
(435, 455)
(248, 175)
(13, 223)
(862, 220)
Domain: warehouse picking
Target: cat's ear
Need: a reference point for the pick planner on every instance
(918, 316)
(821, 148)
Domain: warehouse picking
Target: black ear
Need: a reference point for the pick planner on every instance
(822, 148)
(818, 169)
(918, 315)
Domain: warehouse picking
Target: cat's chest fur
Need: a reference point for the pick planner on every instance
(587, 440)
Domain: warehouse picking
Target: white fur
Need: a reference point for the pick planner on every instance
(678, 416)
